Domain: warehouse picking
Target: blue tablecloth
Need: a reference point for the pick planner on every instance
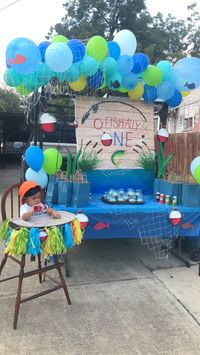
(132, 221)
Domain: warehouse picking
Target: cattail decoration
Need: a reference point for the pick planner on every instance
(99, 151)
(135, 151)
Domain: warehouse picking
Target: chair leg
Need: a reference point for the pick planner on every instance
(39, 267)
(3, 262)
(19, 290)
(62, 279)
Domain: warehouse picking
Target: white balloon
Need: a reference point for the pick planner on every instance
(127, 42)
(40, 177)
(194, 164)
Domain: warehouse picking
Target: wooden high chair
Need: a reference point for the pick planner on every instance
(10, 207)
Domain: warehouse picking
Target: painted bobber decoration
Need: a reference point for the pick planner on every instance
(162, 135)
(175, 217)
(47, 122)
(83, 219)
(106, 139)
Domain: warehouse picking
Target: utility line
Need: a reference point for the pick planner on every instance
(12, 3)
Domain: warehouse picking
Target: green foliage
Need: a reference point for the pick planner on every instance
(9, 101)
(90, 161)
(146, 160)
(162, 162)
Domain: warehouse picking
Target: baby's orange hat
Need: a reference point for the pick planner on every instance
(26, 186)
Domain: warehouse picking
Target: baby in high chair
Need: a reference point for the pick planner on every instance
(31, 201)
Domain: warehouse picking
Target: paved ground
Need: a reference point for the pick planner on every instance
(124, 301)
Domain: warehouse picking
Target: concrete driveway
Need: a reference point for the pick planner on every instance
(124, 301)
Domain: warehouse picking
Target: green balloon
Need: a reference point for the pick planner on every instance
(22, 90)
(52, 161)
(97, 48)
(197, 174)
(59, 38)
(152, 75)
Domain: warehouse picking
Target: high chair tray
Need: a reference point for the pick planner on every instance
(43, 220)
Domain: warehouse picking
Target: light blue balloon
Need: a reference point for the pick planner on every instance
(186, 74)
(39, 177)
(23, 55)
(165, 90)
(88, 66)
(125, 64)
(175, 100)
(129, 81)
(166, 68)
(108, 66)
(58, 57)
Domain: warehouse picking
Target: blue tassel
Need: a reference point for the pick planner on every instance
(34, 242)
(68, 237)
(8, 236)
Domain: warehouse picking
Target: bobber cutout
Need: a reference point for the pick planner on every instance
(47, 122)
(175, 217)
(162, 135)
(83, 219)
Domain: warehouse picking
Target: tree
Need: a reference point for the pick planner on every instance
(193, 37)
(9, 101)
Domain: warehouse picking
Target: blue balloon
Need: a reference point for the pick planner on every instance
(141, 62)
(114, 81)
(34, 157)
(125, 64)
(114, 50)
(39, 177)
(72, 74)
(77, 48)
(42, 48)
(108, 65)
(150, 93)
(88, 66)
(129, 81)
(165, 90)
(175, 100)
(95, 81)
(58, 57)
(185, 74)
(23, 55)
(166, 68)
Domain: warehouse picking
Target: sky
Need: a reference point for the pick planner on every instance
(33, 18)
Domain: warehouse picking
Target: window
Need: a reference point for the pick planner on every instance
(188, 123)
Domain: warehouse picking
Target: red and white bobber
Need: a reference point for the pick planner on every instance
(175, 217)
(162, 135)
(83, 219)
(47, 122)
(106, 139)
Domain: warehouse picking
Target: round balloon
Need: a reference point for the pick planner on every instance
(194, 164)
(175, 100)
(150, 94)
(197, 174)
(129, 81)
(125, 64)
(166, 68)
(72, 74)
(88, 66)
(39, 177)
(34, 157)
(23, 55)
(12, 78)
(141, 61)
(137, 92)
(97, 48)
(79, 84)
(114, 50)
(59, 39)
(21, 89)
(126, 41)
(186, 73)
(52, 161)
(58, 57)
(114, 81)
(165, 90)
(152, 76)
(95, 81)
(42, 48)
(77, 48)
(108, 66)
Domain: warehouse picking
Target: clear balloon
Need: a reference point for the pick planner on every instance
(126, 41)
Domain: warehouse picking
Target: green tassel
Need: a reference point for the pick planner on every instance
(4, 229)
(57, 241)
(21, 241)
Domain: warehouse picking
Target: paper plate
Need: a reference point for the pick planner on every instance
(43, 220)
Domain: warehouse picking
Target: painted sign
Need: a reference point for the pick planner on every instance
(118, 128)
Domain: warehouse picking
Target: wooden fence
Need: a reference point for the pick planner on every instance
(185, 147)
